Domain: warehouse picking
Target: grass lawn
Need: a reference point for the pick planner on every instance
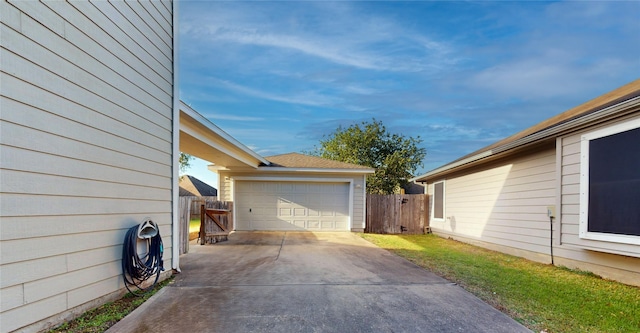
(541, 297)
(103, 317)
(194, 225)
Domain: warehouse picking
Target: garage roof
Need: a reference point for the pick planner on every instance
(300, 161)
(202, 138)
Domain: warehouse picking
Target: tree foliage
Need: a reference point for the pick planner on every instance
(185, 161)
(394, 156)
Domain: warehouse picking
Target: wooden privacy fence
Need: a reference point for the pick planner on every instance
(215, 222)
(397, 214)
(188, 209)
(195, 205)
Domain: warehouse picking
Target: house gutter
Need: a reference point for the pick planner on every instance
(316, 170)
(572, 124)
(619, 109)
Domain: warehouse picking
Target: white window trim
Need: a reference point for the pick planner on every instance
(584, 184)
(444, 203)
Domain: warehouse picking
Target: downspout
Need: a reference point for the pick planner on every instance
(175, 222)
(351, 191)
(364, 210)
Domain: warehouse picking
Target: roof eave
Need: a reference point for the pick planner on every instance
(188, 110)
(621, 108)
(451, 166)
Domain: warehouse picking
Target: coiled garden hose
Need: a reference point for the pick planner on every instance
(137, 270)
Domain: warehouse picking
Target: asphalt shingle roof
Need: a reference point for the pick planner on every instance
(627, 91)
(296, 160)
(196, 187)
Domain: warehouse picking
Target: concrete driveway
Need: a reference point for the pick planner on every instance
(309, 282)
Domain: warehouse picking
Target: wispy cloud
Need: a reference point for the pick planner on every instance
(323, 49)
(310, 98)
(280, 75)
(373, 43)
(579, 46)
(226, 116)
(542, 78)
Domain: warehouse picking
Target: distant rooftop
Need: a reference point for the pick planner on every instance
(193, 185)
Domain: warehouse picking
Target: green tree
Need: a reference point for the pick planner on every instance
(394, 156)
(185, 161)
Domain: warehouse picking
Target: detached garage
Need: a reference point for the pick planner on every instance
(292, 205)
(297, 192)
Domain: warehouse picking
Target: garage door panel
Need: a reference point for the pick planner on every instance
(328, 213)
(263, 211)
(292, 206)
(341, 225)
(258, 199)
(285, 212)
(328, 225)
(285, 187)
(283, 200)
(300, 188)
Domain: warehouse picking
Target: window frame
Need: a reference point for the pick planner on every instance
(585, 140)
(433, 202)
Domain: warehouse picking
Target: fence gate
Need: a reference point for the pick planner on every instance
(189, 209)
(397, 213)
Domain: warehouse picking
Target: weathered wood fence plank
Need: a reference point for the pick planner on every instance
(397, 213)
(215, 221)
(189, 208)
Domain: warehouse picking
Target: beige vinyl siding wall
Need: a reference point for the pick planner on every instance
(588, 254)
(85, 147)
(504, 205)
(225, 191)
(357, 221)
(359, 203)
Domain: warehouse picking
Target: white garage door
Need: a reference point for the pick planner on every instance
(264, 205)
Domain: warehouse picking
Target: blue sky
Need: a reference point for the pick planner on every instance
(278, 76)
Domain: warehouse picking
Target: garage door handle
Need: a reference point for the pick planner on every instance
(249, 210)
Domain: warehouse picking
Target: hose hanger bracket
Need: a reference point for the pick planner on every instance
(147, 229)
(141, 272)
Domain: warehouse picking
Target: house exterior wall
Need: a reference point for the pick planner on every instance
(86, 150)
(225, 190)
(608, 259)
(358, 182)
(504, 205)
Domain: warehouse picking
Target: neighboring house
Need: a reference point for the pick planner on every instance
(413, 188)
(296, 192)
(582, 167)
(185, 193)
(193, 186)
